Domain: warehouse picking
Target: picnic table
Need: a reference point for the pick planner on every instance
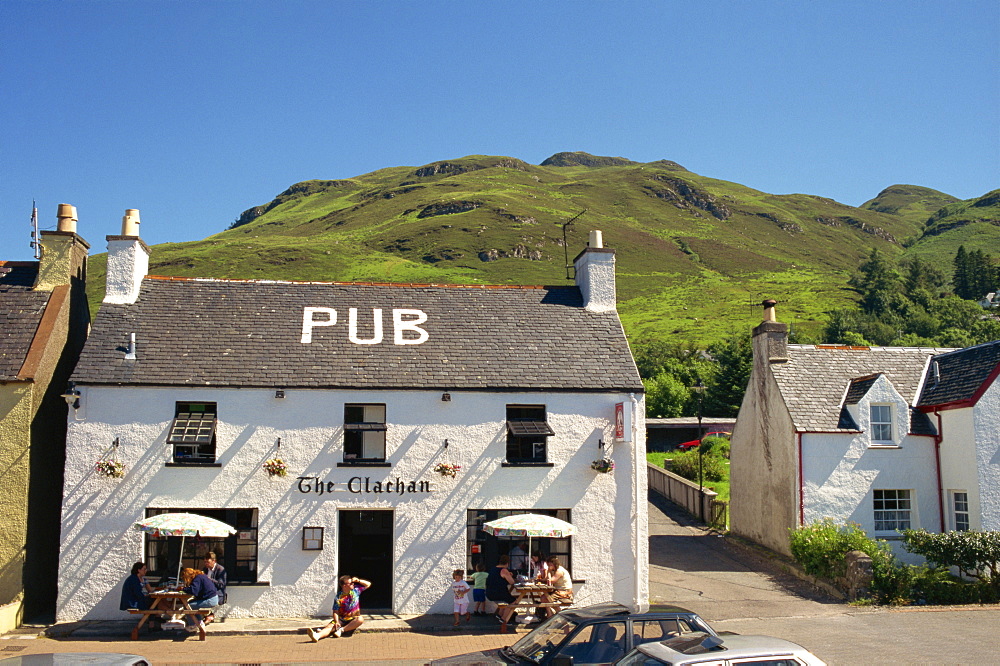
(172, 603)
(530, 595)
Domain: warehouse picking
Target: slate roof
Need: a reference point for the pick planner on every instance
(248, 334)
(816, 379)
(962, 375)
(21, 311)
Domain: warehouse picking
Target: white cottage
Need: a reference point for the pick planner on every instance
(362, 390)
(888, 438)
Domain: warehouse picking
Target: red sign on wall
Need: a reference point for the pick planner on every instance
(620, 421)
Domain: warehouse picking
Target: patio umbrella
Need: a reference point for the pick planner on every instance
(184, 525)
(529, 525)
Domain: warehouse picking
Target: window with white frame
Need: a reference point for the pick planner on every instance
(364, 433)
(892, 510)
(528, 434)
(960, 510)
(881, 423)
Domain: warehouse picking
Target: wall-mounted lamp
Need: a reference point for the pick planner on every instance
(280, 393)
(279, 444)
(446, 443)
(72, 396)
(114, 444)
(446, 397)
(600, 443)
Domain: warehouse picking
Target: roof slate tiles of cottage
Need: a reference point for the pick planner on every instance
(815, 380)
(21, 310)
(961, 375)
(201, 332)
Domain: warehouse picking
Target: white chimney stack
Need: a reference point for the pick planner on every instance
(128, 262)
(595, 275)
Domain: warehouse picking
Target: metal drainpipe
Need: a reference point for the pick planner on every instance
(637, 465)
(802, 486)
(937, 463)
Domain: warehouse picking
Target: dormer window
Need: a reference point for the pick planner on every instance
(881, 423)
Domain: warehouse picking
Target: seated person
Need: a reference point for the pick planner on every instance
(135, 592)
(217, 573)
(498, 582)
(205, 594)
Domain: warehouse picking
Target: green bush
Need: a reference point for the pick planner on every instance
(685, 463)
(976, 554)
(821, 546)
(716, 446)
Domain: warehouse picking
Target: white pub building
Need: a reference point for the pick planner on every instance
(363, 391)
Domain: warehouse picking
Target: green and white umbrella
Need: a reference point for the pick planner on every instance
(529, 525)
(184, 525)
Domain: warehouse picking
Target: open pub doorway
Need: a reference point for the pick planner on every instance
(364, 550)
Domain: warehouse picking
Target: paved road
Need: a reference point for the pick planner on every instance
(689, 566)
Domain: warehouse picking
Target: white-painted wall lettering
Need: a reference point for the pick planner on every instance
(405, 325)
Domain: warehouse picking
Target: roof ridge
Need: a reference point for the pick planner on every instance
(173, 278)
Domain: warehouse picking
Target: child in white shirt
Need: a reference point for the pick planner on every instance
(461, 590)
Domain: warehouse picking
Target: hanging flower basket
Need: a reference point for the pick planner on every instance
(113, 469)
(444, 469)
(275, 467)
(604, 465)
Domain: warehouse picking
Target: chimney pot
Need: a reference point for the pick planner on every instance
(596, 239)
(66, 215)
(130, 222)
(769, 310)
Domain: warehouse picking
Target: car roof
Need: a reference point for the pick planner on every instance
(606, 610)
(734, 646)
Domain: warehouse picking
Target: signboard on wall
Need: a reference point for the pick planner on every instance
(623, 422)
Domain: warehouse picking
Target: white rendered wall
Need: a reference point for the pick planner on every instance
(99, 544)
(986, 418)
(841, 470)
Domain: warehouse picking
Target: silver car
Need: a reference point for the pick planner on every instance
(726, 650)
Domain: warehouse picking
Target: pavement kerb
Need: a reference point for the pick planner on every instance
(272, 626)
(789, 566)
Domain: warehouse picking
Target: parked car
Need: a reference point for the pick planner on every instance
(729, 650)
(597, 634)
(76, 659)
(695, 443)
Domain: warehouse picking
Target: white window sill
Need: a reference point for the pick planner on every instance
(884, 445)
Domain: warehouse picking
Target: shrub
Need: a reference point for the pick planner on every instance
(975, 554)
(716, 446)
(685, 463)
(821, 546)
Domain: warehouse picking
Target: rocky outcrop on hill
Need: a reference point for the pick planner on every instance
(684, 195)
(585, 160)
(454, 168)
(860, 225)
(448, 208)
(517, 252)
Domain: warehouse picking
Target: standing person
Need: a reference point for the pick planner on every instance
(461, 590)
(479, 589)
(346, 609)
(205, 594)
(498, 582)
(217, 573)
(519, 558)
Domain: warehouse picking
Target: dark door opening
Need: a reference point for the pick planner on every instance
(364, 550)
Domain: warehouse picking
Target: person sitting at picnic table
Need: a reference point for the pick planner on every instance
(499, 581)
(135, 592)
(560, 579)
(217, 573)
(205, 594)
(538, 567)
(519, 558)
(346, 609)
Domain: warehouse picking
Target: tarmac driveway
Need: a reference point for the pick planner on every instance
(718, 579)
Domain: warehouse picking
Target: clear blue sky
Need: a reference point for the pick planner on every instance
(195, 111)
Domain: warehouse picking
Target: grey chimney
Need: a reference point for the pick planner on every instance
(595, 275)
(770, 337)
(128, 262)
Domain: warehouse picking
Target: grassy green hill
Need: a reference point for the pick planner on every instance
(692, 251)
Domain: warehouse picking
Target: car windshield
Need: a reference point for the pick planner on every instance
(543, 640)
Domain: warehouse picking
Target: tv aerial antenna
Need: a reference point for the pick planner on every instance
(566, 244)
(35, 244)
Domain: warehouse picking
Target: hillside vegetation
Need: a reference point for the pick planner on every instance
(693, 252)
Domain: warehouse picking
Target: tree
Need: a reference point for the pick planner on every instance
(960, 280)
(876, 280)
(666, 396)
(734, 359)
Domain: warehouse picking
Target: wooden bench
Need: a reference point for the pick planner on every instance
(535, 604)
(146, 614)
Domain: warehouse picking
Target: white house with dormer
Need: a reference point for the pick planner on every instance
(888, 438)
